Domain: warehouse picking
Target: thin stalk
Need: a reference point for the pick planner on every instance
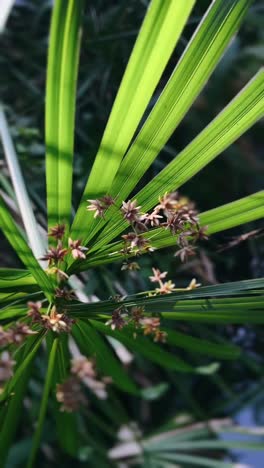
(43, 405)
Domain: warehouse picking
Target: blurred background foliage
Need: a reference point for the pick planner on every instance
(109, 31)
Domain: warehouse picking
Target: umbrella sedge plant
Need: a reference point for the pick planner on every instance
(42, 309)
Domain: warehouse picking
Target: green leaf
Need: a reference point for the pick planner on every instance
(13, 312)
(202, 346)
(12, 413)
(43, 405)
(12, 279)
(60, 106)
(145, 347)
(14, 235)
(159, 33)
(67, 427)
(91, 343)
(190, 75)
(235, 119)
(192, 460)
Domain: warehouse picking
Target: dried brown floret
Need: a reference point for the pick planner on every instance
(77, 250)
(70, 395)
(57, 231)
(55, 254)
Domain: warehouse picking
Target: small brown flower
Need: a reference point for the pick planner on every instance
(5, 338)
(153, 218)
(117, 320)
(166, 288)
(100, 205)
(193, 285)
(150, 325)
(160, 336)
(34, 311)
(201, 233)
(130, 211)
(185, 252)
(77, 250)
(107, 200)
(168, 202)
(132, 266)
(157, 275)
(70, 395)
(138, 243)
(55, 254)
(57, 322)
(137, 314)
(6, 367)
(64, 293)
(83, 367)
(19, 332)
(57, 231)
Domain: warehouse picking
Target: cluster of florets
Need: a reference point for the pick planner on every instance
(83, 372)
(122, 317)
(55, 321)
(173, 212)
(56, 254)
(100, 205)
(14, 335)
(167, 287)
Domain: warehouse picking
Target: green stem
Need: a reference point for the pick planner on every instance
(43, 405)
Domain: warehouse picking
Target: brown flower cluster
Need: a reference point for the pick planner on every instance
(172, 212)
(55, 321)
(15, 334)
(100, 205)
(151, 326)
(55, 255)
(122, 317)
(70, 393)
(168, 287)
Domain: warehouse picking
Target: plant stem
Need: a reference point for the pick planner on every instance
(43, 405)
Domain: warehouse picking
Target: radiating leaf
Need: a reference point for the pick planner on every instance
(14, 235)
(12, 279)
(63, 61)
(245, 109)
(43, 406)
(159, 33)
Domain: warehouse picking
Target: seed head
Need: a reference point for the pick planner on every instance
(130, 211)
(150, 325)
(57, 322)
(57, 231)
(157, 275)
(55, 254)
(166, 288)
(70, 395)
(77, 250)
